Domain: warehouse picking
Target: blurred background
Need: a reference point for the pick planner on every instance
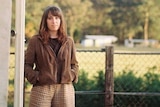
(130, 21)
(132, 27)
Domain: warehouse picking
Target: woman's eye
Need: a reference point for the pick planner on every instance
(53, 17)
(49, 17)
(56, 17)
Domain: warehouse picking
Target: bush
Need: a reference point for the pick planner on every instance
(86, 84)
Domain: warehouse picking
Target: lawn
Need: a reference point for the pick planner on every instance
(92, 62)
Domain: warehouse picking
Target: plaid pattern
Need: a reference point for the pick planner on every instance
(57, 95)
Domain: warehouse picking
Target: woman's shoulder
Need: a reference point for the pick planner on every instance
(70, 39)
(35, 37)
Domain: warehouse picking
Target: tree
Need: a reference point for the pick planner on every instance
(13, 15)
(150, 13)
(125, 18)
(34, 10)
(101, 22)
(76, 12)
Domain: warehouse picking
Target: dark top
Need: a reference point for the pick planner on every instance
(55, 44)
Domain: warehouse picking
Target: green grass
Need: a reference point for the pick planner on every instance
(92, 62)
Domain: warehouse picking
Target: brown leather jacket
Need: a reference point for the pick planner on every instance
(43, 67)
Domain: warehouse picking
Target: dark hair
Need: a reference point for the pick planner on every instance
(43, 30)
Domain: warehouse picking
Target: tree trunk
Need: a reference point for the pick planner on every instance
(146, 25)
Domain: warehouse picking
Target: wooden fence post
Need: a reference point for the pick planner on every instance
(109, 80)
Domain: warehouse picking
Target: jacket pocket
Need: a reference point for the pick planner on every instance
(73, 75)
(33, 79)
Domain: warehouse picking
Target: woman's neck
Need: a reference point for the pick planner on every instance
(53, 35)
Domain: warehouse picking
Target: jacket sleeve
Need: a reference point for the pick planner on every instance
(74, 63)
(30, 53)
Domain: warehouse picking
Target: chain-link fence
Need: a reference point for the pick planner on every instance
(136, 79)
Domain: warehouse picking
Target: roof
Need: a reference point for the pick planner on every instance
(95, 37)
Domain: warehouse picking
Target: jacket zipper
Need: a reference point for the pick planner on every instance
(55, 62)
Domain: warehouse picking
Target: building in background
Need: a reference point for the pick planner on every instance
(140, 42)
(98, 40)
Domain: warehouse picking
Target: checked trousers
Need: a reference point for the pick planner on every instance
(56, 95)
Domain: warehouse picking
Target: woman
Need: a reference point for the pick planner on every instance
(51, 64)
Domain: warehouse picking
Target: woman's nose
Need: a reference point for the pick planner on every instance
(53, 20)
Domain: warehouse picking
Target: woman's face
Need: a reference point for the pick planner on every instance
(53, 22)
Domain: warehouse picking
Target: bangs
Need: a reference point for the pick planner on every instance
(55, 12)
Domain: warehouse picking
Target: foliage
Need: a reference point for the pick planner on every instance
(83, 82)
(34, 10)
(149, 16)
(125, 17)
(13, 15)
(86, 100)
(100, 21)
(127, 82)
(152, 83)
(152, 80)
(122, 18)
(76, 14)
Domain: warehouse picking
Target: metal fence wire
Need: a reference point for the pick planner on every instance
(136, 78)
